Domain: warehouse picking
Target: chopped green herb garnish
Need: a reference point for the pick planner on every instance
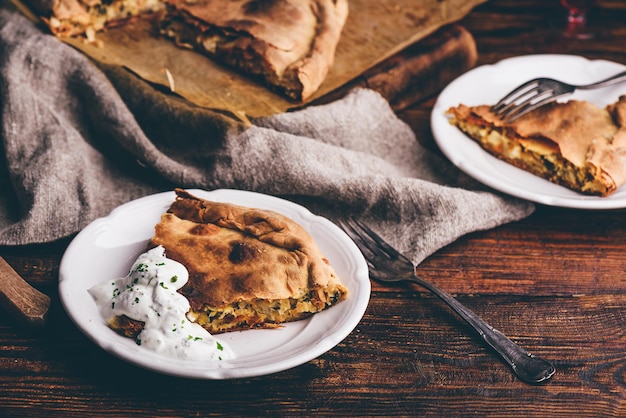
(219, 347)
(174, 279)
(162, 285)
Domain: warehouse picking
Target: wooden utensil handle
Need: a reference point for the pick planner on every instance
(419, 70)
(25, 303)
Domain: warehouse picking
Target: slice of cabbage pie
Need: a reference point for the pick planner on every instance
(575, 144)
(248, 268)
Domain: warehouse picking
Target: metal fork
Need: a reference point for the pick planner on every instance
(388, 265)
(540, 91)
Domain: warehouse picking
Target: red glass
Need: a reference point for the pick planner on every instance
(577, 18)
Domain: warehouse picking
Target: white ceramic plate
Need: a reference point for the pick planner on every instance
(488, 84)
(107, 247)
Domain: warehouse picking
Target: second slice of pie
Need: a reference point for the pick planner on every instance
(575, 144)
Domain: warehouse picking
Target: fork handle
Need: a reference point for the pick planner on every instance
(617, 78)
(529, 368)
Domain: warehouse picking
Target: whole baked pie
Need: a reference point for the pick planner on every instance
(287, 44)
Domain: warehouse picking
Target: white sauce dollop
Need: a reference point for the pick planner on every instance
(149, 294)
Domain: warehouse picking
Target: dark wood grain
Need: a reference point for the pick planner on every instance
(554, 282)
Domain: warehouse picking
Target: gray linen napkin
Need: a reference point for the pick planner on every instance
(79, 140)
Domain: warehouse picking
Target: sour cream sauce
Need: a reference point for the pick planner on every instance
(149, 294)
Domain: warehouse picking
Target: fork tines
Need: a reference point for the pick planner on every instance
(514, 95)
(522, 100)
(361, 235)
(530, 96)
(369, 242)
(382, 259)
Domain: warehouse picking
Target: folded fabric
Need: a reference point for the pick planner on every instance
(79, 140)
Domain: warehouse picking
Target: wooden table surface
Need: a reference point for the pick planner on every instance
(554, 282)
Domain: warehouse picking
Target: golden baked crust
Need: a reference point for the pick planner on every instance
(248, 268)
(575, 144)
(76, 17)
(290, 44)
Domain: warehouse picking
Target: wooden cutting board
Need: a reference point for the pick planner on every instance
(404, 49)
(418, 71)
(381, 35)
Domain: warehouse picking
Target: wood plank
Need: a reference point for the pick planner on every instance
(409, 353)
